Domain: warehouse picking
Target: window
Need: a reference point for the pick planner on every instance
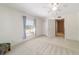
(30, 27)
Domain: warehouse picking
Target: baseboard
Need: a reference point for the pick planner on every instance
(72, 39)
(14, 46)
(26, 40)
(41, 36)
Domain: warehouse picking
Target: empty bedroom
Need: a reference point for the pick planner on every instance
(39, 28)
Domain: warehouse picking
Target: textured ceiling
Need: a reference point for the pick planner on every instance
(42, 9)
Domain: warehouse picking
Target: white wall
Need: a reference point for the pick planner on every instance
(39, 26)
(11, 25)
(71, 26)
(77, 29)
(45, 27)
(51, 28)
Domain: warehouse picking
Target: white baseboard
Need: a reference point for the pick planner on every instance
(26, 40)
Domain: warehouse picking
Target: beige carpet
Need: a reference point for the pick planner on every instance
(46, 46)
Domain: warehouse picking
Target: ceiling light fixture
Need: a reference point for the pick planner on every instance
(55, 6)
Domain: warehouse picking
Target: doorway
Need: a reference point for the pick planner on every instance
(59, 27)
